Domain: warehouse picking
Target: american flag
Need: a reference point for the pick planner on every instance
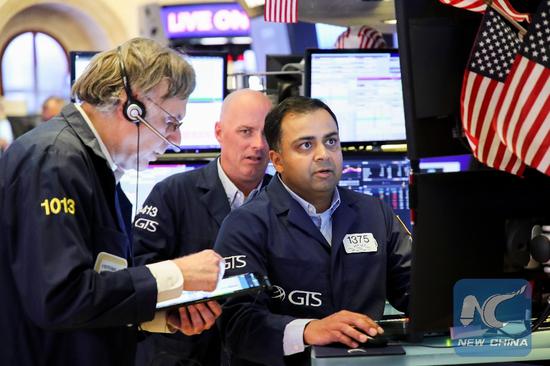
(491, 59)
(480, 6)
(281, 11)
(360, 37)
(523, 120)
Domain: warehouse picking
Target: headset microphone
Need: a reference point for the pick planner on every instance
(157, 132)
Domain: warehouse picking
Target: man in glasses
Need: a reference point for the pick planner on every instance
(71, 295)
(190, 207)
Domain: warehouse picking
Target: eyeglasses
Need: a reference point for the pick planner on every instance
(172, 123)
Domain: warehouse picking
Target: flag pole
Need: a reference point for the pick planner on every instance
(521, 30)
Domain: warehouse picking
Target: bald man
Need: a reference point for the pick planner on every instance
(51, 107)
(190, 207)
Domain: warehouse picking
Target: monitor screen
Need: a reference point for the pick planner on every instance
(434, 42)
(79, 61)
(149, 177)
(445, 164)
(204, 106)
(363, 88)
(205, 103)
(327, 34)
(382, 176)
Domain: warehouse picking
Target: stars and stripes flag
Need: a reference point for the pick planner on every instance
(281, 11)
(360, 37)
(490, 62)
(523, 119)
(480, 6)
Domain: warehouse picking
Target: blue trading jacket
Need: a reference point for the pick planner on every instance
(57, 213)
(181, 216)
(273, 235)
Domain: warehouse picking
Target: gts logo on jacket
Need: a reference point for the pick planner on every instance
(235, 261)
(146, 224)
(298, 297)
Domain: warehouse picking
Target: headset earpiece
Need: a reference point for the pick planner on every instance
(132, 108)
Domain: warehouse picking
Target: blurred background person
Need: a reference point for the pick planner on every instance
(6, 132)
(52, 107)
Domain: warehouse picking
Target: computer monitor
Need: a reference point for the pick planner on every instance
(363, 88)
(205, 103)
(446, 164)
(434, 42)
(156, 172)
(204, 106)
(79, 61)
(385, 176)
(327, 34)
(462, 231)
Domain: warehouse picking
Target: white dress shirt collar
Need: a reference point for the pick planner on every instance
(102, 146)
(323, 220)
(235, 196)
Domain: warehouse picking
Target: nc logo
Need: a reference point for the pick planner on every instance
(487, 311)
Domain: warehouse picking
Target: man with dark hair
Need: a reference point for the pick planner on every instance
(333, 255)
(190, 207)
(70, 293)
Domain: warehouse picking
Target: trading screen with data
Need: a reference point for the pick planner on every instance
(363, 89)
(385, 177)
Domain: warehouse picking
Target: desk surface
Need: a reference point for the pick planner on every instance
(421, 355)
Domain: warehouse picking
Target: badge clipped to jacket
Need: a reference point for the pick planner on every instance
(360, 243)
(106, 262)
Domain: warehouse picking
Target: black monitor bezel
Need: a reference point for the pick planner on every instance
(435, 68)
(73, 55)
(307, 85)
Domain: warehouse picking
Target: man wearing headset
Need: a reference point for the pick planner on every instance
(70, 293)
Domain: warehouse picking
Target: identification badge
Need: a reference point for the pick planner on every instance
(360, 243)
(106, 262)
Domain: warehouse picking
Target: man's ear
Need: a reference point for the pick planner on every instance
(277, 161)
(122, 98)
(218, 131)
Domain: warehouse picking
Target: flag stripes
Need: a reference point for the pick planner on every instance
(482, 87)
(281, 11)
(480, 7)
(523, 118)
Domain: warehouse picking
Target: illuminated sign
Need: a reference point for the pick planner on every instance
(205, 20)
